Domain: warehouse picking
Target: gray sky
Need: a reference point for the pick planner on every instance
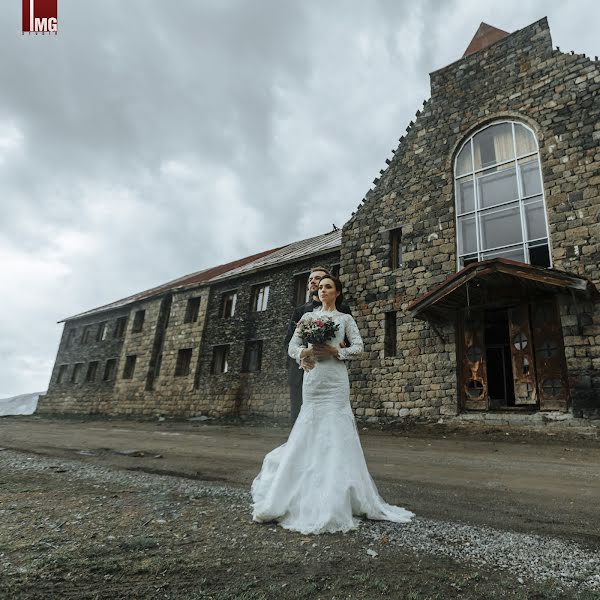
(144, 141)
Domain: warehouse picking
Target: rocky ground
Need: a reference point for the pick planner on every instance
(74, 528)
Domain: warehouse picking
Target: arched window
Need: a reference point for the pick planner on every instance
(500, 208)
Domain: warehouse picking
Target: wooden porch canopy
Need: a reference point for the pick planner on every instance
(495, 282)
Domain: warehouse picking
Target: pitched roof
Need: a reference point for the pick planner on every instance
(303, 249)
(485, 36)
(184, 281)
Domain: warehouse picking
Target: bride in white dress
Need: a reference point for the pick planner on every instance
(318, 480)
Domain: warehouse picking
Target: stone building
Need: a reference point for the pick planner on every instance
(472, 268)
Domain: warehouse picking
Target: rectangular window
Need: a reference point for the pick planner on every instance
(62, 373)
(110, 369)
(70, 338)
(220, 361)
(76, 375)
(335, 270)
(85, 335)
(129, 366)
(192, 310)
(259, 297)
(91, 371)
(138, 321)
(301, 289)
(228, 302)
(390, 340)
(120, 327)
(396, 248)
(252, 356)
(182, 366)
(102, 331)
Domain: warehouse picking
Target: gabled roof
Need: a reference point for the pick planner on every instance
(301, 250)
(185, 281)
(485, 36)
(491, 282)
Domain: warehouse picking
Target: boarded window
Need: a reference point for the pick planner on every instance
(102, 331)
(85, 335)
(62, 373)
(110, 369)
(259, 297)
(220, 361)
(138, 321)
(76, 374)
(92, 371)
(192, 310)
(390, 342)
(396, 248)
(252, 356)
(120, 327)
(301, 289)
(70, 338)
(228, 302)
(184, 358)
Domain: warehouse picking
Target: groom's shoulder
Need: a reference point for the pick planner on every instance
(345, 308)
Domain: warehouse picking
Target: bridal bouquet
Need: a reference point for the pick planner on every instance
(317, 329)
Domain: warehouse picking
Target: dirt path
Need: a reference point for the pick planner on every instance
(517, 482)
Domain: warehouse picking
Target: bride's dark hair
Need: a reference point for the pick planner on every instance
(338, 288)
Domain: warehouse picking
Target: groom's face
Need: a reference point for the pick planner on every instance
(313, 281)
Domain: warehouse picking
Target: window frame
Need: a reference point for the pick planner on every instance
(521, 201)
(120, 328)
(224, 304)
(225, 348)
(110, 375)
(258, 292)
(138, 322)
(129, 366)
(92, 371)
(192, 309)
(181, 360)
(259, 343)
(395, 241)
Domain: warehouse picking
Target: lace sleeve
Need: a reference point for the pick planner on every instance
(296, 344)
(356, 344)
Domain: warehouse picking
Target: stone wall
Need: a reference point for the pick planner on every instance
(519, 78)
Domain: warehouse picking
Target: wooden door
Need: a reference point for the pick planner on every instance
(550, 363)
(474, 385)
(522, 355)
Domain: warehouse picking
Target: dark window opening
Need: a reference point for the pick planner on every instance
(301, 289)
(76, 375)
(192, 310)
(539, 256)
(396, 248)
(62, 373)
(228, 302)
(259, 297)
(91, 371)
(390, 346)
(184, 358)
(129, 368)
(85, 336)
(120, 327)
(110, 369)
(138, 321)
(102, 331)
(220, 361)
(253, 356)
(70, 338)
(335, 270)
(501, 390)
(157, 366)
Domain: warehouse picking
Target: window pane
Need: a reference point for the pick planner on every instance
(539, 255)
(493, 145)
(467, 237)
(526, 142)
(534, 218)
(530, 176)
(501, 227)
(463, 161)
(512, 253)
(496, 186)
(466, 198)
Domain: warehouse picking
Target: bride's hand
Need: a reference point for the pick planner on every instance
(324, 350)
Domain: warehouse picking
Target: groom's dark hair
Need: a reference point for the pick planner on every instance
(324, 269)
(338, 287)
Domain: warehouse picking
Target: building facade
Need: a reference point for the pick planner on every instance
(472, 268)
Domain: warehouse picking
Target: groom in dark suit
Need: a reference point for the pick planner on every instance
(296, 374)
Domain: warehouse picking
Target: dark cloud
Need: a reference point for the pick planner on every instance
(151, 139)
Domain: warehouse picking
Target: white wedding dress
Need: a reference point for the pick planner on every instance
(318, 480)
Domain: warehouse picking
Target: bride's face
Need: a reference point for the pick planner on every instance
(327, 291)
